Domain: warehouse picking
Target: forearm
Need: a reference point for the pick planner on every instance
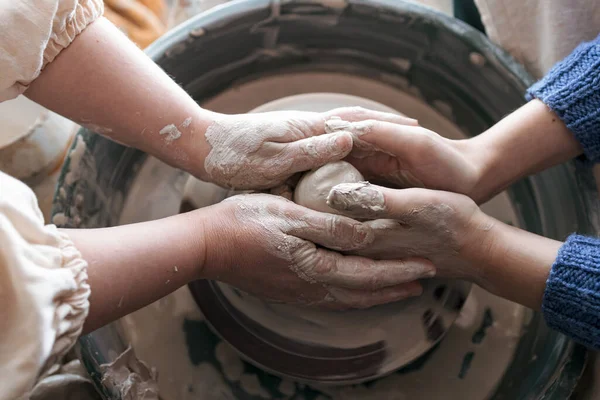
(134, 265)
(515, 264)
(104, 82)
(534, 138)
(528, 141)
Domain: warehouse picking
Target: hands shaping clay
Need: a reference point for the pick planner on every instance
(314, 187)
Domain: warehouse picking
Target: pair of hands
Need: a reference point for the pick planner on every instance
(290, 252)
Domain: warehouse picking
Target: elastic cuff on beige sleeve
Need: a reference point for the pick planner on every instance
(65, 31)
(72, 305)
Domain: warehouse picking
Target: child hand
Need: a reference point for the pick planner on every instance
(405, 155)
(446, 228)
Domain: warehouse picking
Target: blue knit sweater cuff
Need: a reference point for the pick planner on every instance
(572, 90)
(571, 303)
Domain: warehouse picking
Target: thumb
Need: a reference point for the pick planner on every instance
(366, 201)
(316, 151)
(359, 200)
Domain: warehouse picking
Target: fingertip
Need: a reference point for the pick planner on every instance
(412, 122)
(426, 265)
(335, 147)
(360, 198)
(342, 144)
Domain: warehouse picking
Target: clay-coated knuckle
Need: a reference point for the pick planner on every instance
(309, 148)
(370, 125)
(355, 111)
(323, 265)
(362, 236)
(337, 228)
(313, 263)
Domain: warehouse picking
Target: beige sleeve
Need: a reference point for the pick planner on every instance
(34, 32)
(43, 291)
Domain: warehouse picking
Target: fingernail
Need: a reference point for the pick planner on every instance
(360, 196)
(426, 269)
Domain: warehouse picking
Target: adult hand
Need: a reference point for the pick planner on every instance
(261, 151)
(275, 249)
(446, 228)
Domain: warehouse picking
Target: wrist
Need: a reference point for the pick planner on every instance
(513, 263)
(480, 242)
(199, 147)
(192, 230)
(216, 240)
(482, 159)
(528, 141)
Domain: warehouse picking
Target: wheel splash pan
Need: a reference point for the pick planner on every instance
(413, 49)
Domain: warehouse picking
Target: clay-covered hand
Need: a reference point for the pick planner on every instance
(403, 155)
(261, 151)
(275, 249)
(446, 228)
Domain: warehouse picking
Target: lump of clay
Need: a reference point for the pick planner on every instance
(314, 187)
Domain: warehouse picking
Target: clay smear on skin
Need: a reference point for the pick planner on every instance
(357, 129)
(356, 196)
(234, 143)
(363, 149)
(276, 242)
(172, 133)
(427, 230)
(236, 158)
(282, 245)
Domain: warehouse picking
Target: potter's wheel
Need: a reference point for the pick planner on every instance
(248, 53)
(313, 345)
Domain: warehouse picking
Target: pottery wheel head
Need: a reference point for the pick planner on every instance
(325, 347)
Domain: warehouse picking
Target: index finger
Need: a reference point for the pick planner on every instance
(357, 114)
(364, 200)
(335, 232)
(354, 272)
(397, 138)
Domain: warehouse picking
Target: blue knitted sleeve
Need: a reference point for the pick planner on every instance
(572, 90)
(571, 303)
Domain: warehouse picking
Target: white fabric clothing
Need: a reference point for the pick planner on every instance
(539, 33)
(43, 278)
(34, 32)
(43, 291)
